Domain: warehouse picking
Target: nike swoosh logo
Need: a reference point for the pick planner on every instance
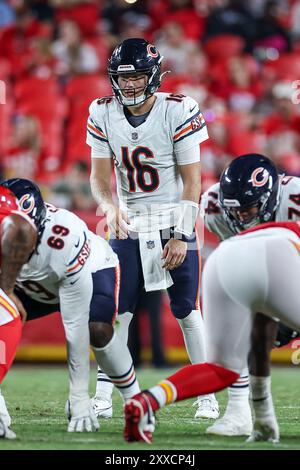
(191, 110)
(77, 244)
(74, 282)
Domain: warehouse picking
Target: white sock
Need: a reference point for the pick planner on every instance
(261, 397)
(116, 361)
(193, 331)
(4, 411)
(160, 395)
(104, 387)
(238, 393)
(192, 328)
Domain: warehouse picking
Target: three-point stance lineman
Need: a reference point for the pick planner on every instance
(17, 240)
(257, 271)
(154, 141)
(74, 271)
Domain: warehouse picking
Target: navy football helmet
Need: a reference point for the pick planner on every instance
(250, 181)
(30, 198)
(135, 56)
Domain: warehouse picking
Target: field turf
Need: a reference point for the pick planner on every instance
(36, 397)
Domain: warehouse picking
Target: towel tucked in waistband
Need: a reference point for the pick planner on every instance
(155, 277)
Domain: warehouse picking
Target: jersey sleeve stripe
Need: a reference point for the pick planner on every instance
(79, 251)
(182, 131)
(96, 131)
(187, 121)
(76, 272)
(96, 136)
(189, 133)
(74, 267)
(94, 124)
(8, 307)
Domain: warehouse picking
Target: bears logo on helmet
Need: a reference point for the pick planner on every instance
(250, 184)
(135, 56)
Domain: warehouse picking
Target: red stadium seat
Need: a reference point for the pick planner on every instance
(86, 15)
(88, 87)
(286, 67)
(29, 87)
(5, 69)
(223, 46)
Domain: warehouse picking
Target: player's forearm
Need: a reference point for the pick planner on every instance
(101, 192)
(78, 357)
(16, 245)
(189, 205)
(191, 191)
(191, 178)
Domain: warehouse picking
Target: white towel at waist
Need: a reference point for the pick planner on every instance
(155, 277)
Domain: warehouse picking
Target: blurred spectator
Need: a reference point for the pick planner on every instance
(74, 55)
(73, 191)
(15, 40)
(233, 17)
(114, 11)
(239, 86)
(175, 48)
(295, 20)
(7, 14)
(24, 157)
(43, 63)
(134, 25)
(283, 130)
(270, 34)
(42, 10)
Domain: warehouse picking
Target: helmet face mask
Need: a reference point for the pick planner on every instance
(249, 191)
(135, 58)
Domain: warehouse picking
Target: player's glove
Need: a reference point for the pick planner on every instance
(285, 335)
(81, 416)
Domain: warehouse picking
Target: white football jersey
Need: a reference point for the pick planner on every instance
(67, 249)
(147, 157)
(288, 208)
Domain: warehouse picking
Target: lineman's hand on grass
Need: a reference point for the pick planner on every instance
(81, 416)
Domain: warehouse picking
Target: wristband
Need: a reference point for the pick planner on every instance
(187, 219)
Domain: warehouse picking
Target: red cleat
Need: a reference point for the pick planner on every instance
(139, 419)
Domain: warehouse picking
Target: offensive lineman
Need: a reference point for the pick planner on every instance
(75, 272)
(257, 271)
(154, 141)
(250, 192)
(18, 238)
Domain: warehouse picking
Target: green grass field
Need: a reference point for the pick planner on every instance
(36, 397)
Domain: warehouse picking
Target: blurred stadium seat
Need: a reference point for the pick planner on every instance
(223, 46)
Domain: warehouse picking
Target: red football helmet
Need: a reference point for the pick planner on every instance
(8, 201)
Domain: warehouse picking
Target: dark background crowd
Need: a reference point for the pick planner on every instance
(239, 59)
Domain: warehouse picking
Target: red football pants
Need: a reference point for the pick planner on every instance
(10, 335)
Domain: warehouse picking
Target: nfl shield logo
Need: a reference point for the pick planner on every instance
(134, 136)
(150, 245)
